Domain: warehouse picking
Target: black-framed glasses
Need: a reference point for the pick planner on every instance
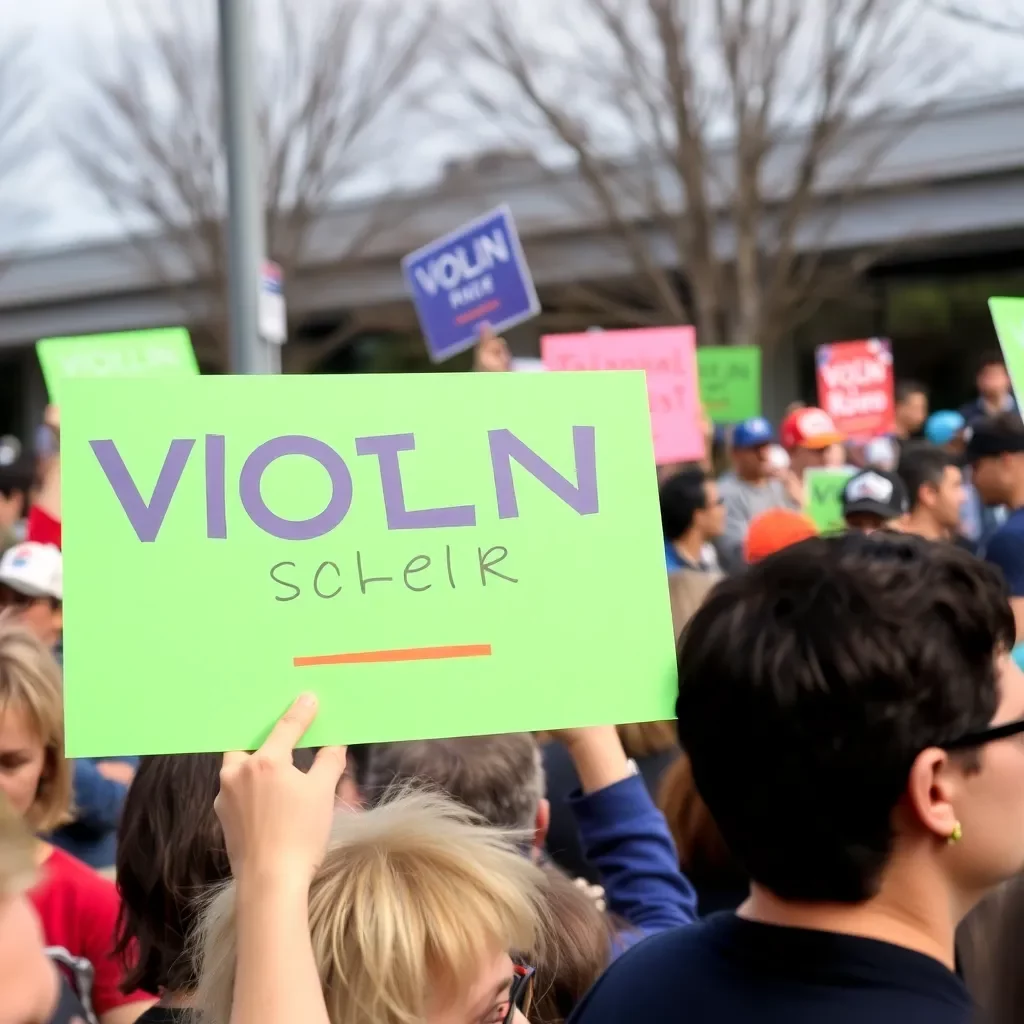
(520, 993)
(983, 736)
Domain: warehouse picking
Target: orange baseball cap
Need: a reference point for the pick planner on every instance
(809, 428)
(774, 530)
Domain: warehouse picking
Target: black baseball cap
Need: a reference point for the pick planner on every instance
(992, 436)
(877, 493)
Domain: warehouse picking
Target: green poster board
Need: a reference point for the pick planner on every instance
(433, 555)
(166, 352)
(730, 381)
(823, 490)
(1008, 316)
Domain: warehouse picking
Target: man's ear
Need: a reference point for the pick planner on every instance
(932, 789)
(541, 823)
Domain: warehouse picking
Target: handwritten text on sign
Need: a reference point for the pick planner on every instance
(855, 386)
(411, 547)
(475, 275)
(667, 355)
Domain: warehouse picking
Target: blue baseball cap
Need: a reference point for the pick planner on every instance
(943, 426)
(753, 433)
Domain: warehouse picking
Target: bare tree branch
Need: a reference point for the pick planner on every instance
(336, 75)
(737, 129)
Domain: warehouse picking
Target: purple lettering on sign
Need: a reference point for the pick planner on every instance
(289, 529)
(216, 512)
(146, 519)
(387, 447)
(505, 447)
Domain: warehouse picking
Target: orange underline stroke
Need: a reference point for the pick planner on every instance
(477, 311)
(404, 654)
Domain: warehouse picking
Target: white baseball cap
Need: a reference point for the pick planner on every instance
(36, 570)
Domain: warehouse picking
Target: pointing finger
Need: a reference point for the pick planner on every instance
(290, 728)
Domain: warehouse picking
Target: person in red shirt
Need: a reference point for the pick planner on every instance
(76, 907)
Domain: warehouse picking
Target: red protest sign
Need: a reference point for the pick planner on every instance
(855, 386)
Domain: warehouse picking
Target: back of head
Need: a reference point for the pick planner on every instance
(17, 476)
(682, 496)
(30, 684)
(409, 898)
(170, 853)
(501, 778)
(809, 685)
(577, 950)
(923, 465)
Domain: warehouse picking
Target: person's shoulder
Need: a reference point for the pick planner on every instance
(728, 485)
(651, 979)
(67, 873)
(1008, 538)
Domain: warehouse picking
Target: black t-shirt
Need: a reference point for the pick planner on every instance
(726, 969)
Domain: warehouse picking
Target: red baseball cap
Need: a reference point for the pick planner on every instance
(774, 530)
(809, 428)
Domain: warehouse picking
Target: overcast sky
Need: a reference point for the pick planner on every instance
(50, 207)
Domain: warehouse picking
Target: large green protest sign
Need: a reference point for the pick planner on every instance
(1008, 317)
(433, 555)
(165, 352)
(823, 498)
(730, 381)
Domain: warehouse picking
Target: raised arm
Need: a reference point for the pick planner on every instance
(625, 836)
(276, 823)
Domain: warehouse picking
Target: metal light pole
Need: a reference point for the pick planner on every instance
(250, 353)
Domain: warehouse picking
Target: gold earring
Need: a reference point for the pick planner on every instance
(956, 835)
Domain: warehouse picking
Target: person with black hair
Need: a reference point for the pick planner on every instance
(911, 409)
(995, 453)
(856, 729)
(692, 516)
(995, 394)
(935, 485)
(16, 477)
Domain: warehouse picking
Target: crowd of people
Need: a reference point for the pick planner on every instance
(830, 830)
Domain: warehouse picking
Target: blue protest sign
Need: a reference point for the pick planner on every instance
(475, 275)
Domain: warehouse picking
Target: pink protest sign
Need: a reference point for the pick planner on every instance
(669, 357)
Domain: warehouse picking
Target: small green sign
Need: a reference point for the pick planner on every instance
(1008, 316)
(432, 554)
(165, 352)
(823, 491)
(730, 381)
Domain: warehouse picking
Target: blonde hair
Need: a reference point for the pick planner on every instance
(30, 680)
(17, 853)
(407, 898)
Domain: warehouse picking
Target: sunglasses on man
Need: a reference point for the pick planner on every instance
(981, 737)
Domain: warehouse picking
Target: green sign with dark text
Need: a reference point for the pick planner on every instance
(730, 381)
(432, 554)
